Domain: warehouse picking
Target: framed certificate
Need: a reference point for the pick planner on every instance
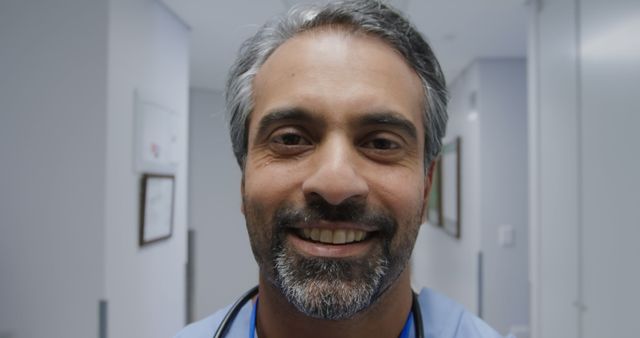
(156, 208)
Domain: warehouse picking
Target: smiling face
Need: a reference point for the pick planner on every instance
(334, 183)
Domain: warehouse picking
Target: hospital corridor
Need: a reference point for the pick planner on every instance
(121, 201)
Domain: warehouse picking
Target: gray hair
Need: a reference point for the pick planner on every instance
(368, 16)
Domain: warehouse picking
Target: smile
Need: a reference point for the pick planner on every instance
(337, 236)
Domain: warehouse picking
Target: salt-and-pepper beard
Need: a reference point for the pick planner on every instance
(329, 288)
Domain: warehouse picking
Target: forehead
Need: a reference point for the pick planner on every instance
(338, 74)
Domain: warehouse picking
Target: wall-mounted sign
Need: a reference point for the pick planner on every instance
(156, 137)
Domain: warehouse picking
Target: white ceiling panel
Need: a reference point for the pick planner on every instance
(458, 30)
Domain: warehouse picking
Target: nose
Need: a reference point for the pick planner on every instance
(335, 176)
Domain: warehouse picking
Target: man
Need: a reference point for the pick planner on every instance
(337, 114)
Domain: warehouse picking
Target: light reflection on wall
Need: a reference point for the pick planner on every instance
(617, 41)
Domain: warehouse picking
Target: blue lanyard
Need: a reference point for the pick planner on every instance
(252, 323)
(407, 325)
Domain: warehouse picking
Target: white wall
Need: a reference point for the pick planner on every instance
(584, 118)
(69, 195)
(145, 287)
(502, 106)
(52, 141)
(610, 117)
(494, 195)
(555, 134)
(224, 264)
(440, 261)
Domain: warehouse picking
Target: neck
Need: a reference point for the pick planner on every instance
(385, 318)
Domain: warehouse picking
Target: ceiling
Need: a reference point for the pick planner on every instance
(459, 31)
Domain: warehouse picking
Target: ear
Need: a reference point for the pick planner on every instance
(427, 188)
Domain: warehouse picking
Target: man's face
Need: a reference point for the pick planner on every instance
(334, 184)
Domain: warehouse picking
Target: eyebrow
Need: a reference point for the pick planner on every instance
(284, 114)
(386, 118)
(389, 118)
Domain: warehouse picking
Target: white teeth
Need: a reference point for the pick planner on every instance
(326, 236)
(351, 236)
(339, 236)
(315, 234)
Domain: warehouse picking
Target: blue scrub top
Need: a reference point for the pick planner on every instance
(442, 318)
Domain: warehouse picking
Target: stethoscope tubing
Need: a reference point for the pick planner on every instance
(228, 319)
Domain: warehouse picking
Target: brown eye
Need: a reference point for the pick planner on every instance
(289, 142)
(290, 139)
(381, 144)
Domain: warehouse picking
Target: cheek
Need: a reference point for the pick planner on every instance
(258, 187)
(265, 190)
(404, 194)
(408, 208)
(268, 188)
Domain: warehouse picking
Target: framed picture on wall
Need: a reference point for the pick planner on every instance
(434, 210)
(156, 208)
(450, 167)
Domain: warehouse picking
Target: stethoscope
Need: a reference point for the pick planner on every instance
(228, 319)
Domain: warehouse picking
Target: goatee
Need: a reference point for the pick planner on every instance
(331, 288)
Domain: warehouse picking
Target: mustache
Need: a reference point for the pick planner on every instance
(351, 210)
